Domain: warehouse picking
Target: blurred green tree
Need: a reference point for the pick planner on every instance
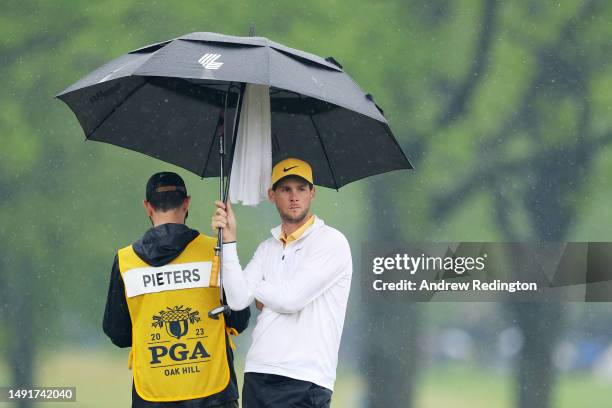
(503, 107)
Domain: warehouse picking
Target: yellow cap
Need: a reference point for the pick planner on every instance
(292, 167)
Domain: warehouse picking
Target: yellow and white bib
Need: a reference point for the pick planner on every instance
(178, 352)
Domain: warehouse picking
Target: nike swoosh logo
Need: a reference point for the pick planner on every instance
(289, 168)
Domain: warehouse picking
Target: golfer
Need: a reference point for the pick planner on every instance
(300, 277)
(161, 289)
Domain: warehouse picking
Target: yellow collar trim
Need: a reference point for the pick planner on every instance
(297, 233)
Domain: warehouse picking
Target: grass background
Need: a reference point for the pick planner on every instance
(102, 379)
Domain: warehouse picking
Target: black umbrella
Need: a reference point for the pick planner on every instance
(169, 100)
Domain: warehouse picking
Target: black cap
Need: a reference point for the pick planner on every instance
(165, 179)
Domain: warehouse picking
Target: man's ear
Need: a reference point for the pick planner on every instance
(271, 195)
(186, 202)
(314, 192)
(148, 208)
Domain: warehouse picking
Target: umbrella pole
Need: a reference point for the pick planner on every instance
(224, 183)
(234, 137)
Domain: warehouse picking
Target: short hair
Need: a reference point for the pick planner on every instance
(297, 178)
(167, 200)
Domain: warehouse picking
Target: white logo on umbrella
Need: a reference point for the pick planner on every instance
(208, 61)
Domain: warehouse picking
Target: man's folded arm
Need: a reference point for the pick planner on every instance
(321, 268)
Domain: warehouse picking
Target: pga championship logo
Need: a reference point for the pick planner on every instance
(177, 322)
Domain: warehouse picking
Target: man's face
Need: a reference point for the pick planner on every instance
(292, 198)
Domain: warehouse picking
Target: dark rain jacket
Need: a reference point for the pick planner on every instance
(159, 246)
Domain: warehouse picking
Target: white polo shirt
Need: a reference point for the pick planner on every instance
(304, 287)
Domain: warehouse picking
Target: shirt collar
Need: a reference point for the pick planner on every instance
(295, 235)
(314, 223)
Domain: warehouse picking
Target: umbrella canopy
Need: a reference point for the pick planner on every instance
(166, 99)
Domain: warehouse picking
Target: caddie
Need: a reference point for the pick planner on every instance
(161, 289)
(300, 277)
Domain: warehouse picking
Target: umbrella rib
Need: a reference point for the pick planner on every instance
(324, 151)
(389, 134)
(212, 142)
(87, 136)
(229, 86)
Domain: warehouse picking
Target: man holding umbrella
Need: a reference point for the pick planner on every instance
(301, 277)
(161, 289)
